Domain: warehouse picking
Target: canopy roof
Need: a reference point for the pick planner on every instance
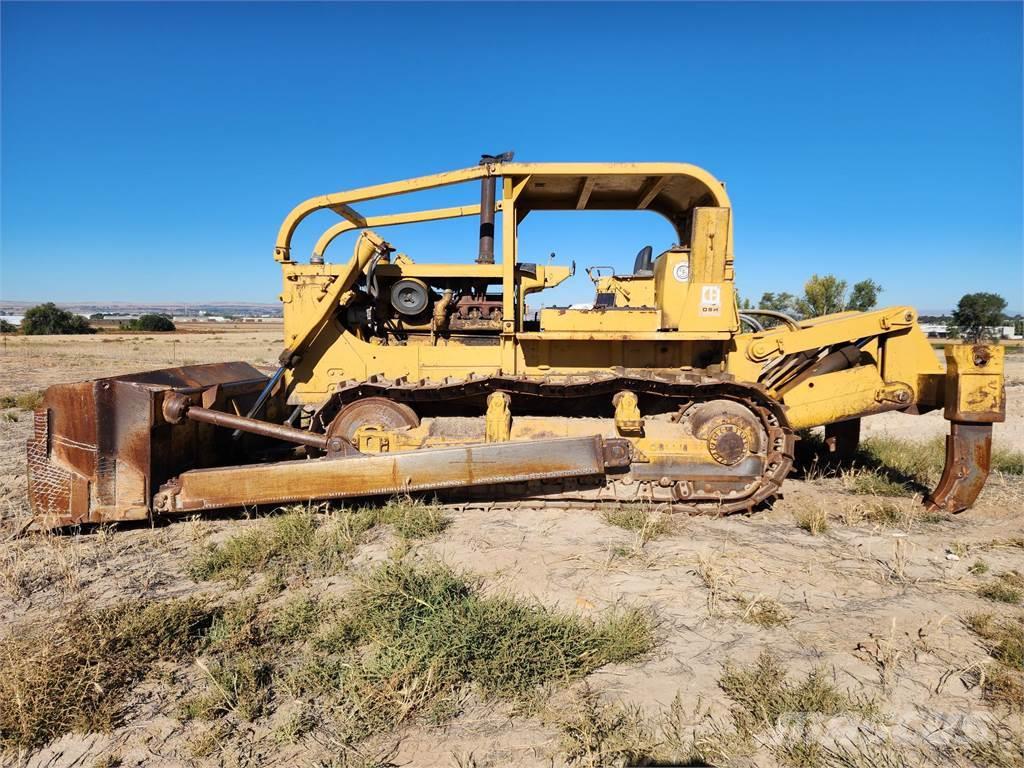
(670, 189)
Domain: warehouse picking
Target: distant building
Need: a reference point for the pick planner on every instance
(941, 331)
(935, 330)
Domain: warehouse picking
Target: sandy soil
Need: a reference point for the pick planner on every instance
(846, 590)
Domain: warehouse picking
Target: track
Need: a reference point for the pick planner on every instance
(591, 395)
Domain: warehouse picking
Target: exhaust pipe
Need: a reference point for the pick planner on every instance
(487, 196)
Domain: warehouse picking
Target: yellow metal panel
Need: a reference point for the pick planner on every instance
(599, 320)
(974, 383)
(835, 397)
(709, 246)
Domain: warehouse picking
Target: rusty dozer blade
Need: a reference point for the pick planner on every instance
(975, 397)
(133, 447)
(99, 449)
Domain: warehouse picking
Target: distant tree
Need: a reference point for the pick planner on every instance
(157, 323)
(50, 319)
(6, 327)
(863, 296)
(778, 302)
(822, 296)
(1018, 327)
(97, 316)
(976, 314)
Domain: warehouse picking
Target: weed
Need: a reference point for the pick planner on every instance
(714, 580)
(411, 518)
(239, 684)
(28, 401)
(1008, 588)
(596, 733)
(241, 653)
(764, 613)
(297, 619)
(812, 518)
(763, 697)
(73, 674)
(303, 540)
(873, 482)
(640, 518)
(1004, 638)
(979, 568)
(1007, 461)
(913, 464)
(298, 539)
(413, 636)
(1002, 686)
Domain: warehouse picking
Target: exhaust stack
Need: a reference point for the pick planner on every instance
(487, 195)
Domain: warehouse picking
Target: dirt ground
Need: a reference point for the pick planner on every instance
(879, 606)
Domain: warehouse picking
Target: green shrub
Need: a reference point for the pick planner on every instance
(157, 323)
(50, 319)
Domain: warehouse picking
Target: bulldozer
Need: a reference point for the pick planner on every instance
(404, 376)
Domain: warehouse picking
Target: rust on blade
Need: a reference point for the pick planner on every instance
(100, 448)
(968, 463)
(372, 475)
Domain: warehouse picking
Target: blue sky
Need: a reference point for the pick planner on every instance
(150, 151)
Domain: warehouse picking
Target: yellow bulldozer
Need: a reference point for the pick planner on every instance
(405, 376)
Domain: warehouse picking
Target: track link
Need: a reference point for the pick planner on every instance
(556, 393)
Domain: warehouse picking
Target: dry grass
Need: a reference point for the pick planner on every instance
(72, 674)
(812, 518)
(28, 401)
(645, 521)
(763, 696)
(897, 566)
(758, 610)
(411, 641)
(1002, 683)
(311, 541)
(891, 466)
(1006, 588)
(764, 612)
(597, 733)
(710, 572)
